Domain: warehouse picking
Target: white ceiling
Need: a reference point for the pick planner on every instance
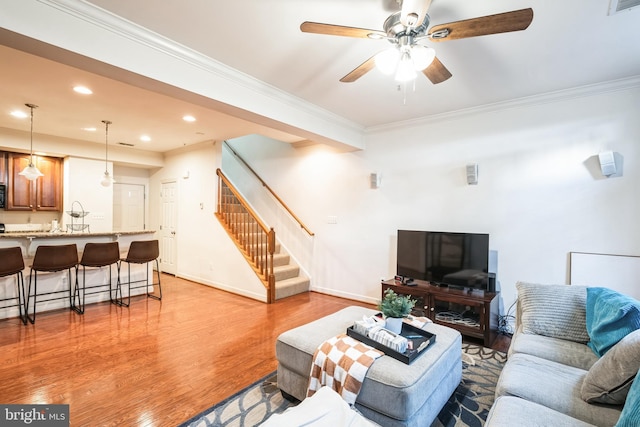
(570, 43)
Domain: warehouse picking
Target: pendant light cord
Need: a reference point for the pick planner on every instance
(106, 144)
(31, 106)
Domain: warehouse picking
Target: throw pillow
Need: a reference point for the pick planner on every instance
(610, 317)
(556, 311)
(609, 379)
(630, 416)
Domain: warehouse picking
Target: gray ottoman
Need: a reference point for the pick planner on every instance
(393, 393)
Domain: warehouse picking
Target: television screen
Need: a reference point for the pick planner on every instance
(443, 258)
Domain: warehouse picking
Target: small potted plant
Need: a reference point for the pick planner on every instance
(394, 307)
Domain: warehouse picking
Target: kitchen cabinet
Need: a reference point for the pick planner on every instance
(3, 167)
(42, 194)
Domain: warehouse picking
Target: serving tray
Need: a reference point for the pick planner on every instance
(420, 341)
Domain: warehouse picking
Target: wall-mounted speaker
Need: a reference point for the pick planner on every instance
(472, 174)
(375, 180)
(607, 163)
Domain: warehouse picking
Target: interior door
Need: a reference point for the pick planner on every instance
(128, 207)
(168, 200)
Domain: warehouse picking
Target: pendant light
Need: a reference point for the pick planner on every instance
(31, 172)
(106, 179)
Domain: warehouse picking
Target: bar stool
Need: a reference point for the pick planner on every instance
(51, 259)
(97, 255)
(11, 262)
(142, 252)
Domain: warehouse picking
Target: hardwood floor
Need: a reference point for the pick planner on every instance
(156, 363)
(502, 343)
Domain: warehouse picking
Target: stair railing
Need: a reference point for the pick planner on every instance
(275, 196)
(256, 241)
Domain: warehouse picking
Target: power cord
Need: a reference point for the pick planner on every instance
(505, 322)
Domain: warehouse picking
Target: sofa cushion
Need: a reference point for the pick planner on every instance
(630, 416)
(554, 386)
(610, 378)
(557, 311)
(566, 352)
(509, 411)
(610, 316)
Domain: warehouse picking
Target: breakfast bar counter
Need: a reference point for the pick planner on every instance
(29, 241)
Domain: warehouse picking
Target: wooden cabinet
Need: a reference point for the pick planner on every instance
(3, 167)
(43, 194)
(472, 312)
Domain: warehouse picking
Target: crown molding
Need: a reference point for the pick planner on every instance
(540, 99)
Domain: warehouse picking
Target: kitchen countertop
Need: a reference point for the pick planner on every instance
(48, 234)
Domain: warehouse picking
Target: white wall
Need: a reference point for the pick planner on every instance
(136, 176)
(205, 252)
(540, 193)
(82, 185)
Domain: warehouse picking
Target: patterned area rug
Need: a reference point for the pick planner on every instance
(468, 406)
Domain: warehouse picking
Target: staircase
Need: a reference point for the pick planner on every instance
(273, 265)
(289, 279)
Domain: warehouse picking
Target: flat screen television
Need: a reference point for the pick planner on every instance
(445, 259)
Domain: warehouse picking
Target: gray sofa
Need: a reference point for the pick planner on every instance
(552, 377)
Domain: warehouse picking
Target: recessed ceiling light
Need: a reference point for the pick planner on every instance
(189, 118)
(145, 138)
(19, 114)
(89, 129)
(83, 90)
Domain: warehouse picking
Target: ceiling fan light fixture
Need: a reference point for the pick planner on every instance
(422, 56)
(387, 60)
(406, 70)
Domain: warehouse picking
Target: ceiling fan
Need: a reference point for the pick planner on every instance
(405, 28)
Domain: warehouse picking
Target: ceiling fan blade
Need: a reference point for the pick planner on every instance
(338, 30)
(359, 71)
(436, 72)
(516, 20)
